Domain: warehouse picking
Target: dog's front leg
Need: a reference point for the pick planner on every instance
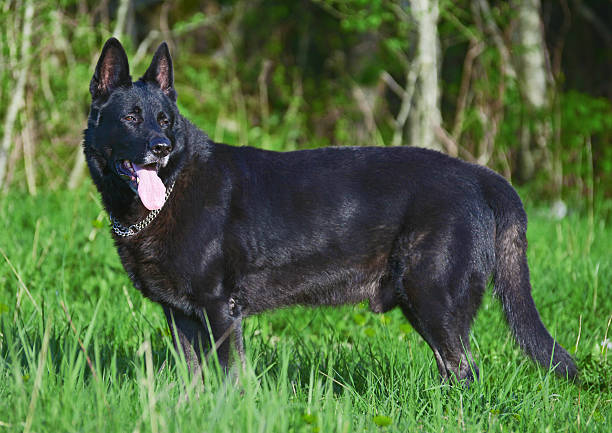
(189, 336)
(239, 342)
(225, 320)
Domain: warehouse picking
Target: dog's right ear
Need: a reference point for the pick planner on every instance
(112, 70)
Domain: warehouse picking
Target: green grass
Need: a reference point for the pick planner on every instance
(309, 370)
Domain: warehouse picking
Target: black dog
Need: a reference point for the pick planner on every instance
(215, 233)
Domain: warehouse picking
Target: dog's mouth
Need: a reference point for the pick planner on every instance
(144, 181)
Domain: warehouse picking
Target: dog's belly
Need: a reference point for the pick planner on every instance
(304, 284)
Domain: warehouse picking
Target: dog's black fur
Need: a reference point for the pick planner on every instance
(246, 230)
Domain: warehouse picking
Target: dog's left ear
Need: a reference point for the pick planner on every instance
(160, 71)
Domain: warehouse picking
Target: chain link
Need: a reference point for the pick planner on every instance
(133, 229)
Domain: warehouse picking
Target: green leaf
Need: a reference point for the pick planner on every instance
(382, 420)
(405, 328)
(359, 319)
(97, 224)
(309, 418)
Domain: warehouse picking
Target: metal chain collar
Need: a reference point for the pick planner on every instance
(133, 229)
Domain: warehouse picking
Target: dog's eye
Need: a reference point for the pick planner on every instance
(130, 118)
(163, 121)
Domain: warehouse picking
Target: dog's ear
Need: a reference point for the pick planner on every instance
(112, 70)
(160, 71)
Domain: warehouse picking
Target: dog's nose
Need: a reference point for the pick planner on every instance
(160, 146)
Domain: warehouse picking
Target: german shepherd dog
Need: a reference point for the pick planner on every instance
(215, 233)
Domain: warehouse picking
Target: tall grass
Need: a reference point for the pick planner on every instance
(81, 350)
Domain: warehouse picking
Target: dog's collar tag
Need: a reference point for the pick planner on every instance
(131, 230)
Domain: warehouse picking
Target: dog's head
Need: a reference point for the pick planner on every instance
(133, 128)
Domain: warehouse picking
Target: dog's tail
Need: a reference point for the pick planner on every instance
(511, 279)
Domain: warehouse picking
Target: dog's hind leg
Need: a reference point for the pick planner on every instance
(445, 324)
(441, 303)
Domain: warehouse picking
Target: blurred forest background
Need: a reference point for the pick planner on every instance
(521, 86)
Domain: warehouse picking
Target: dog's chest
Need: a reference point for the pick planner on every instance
(182, 268)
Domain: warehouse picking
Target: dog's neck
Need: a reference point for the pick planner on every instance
(133, 229)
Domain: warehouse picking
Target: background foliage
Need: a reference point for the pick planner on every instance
(295, 74)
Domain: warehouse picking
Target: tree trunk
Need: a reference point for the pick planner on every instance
(425, 117)
(18, 98)
(534, 84)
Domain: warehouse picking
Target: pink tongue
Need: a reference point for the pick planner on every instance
(151, 189)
